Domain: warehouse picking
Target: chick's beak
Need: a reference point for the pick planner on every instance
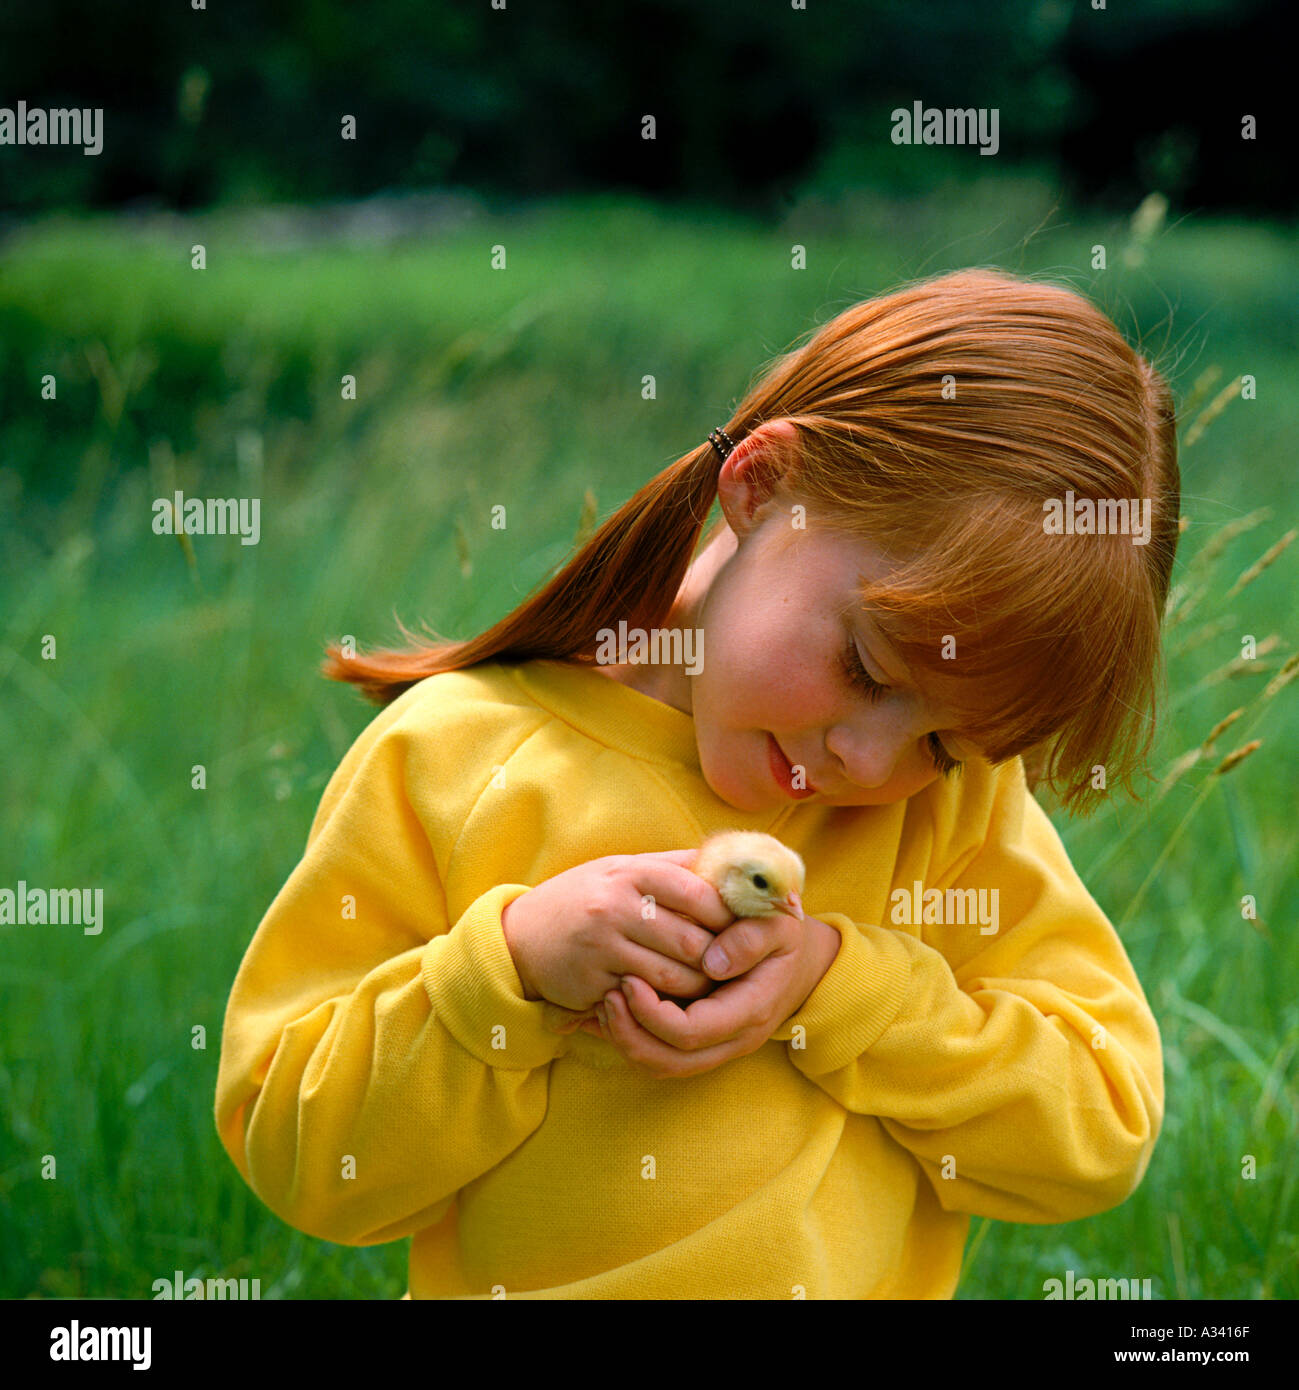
(793, 904)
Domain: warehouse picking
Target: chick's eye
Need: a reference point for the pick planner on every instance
(760, 882)
(859, 677)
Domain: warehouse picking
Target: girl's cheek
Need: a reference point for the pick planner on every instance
(920, 773)
(907, 784)
(921, 781)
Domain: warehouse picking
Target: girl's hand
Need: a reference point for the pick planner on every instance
(573, 937)
(779, 962)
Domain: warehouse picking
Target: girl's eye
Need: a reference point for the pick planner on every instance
(861, 679)
(943, 760)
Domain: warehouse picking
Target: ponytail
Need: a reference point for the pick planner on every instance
(631, 568)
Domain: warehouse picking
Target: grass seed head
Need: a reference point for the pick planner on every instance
(1236, 758)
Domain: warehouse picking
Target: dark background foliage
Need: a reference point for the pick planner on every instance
(242, 101)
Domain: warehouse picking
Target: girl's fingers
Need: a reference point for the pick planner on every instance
(680, 890)
(720, 1020)
(665, 973)
(649, 1052)
(631, 1013)
(667, 877)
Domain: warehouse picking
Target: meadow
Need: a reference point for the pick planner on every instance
(523, 386)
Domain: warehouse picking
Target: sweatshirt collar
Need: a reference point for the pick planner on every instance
(610, 712)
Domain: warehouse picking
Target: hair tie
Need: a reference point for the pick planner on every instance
(722, 442)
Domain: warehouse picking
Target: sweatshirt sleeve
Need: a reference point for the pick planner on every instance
(1022, 1068)
(376, 1056)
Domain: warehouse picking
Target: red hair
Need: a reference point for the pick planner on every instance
(936, 421)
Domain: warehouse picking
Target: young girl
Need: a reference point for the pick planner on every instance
(883, 622)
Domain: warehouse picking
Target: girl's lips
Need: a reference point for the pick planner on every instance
(783, 772)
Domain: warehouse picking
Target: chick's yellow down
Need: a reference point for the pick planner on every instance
(755, 876)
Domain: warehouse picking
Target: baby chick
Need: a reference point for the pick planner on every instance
(755, 876)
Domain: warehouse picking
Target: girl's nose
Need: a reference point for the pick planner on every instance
(869, 755)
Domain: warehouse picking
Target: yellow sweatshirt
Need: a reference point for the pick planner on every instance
(382, 1075)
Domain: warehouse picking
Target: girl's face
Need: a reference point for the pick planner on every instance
(783, 631)
(783, 635)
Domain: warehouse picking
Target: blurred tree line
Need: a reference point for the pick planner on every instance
(244, 100)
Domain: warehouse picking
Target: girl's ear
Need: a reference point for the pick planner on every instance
(740, 494)
(750, 476)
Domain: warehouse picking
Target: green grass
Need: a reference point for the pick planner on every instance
(524, 387)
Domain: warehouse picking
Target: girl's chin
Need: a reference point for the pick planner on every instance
(746, 799)
(723, 784)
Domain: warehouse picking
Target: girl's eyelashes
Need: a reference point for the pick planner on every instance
(861, 679)
(943, 760)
